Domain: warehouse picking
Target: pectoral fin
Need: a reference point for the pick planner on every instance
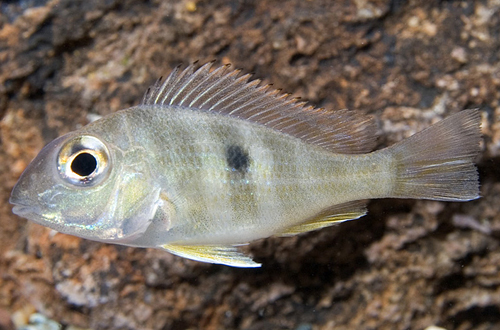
(333, 215)
(216, 254)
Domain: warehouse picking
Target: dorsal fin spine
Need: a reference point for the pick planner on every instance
(214, 76)
(239, 97)
(202, 80)
(259, 94)
(285, 103)
(271, 103)
(241, 82)
(268, 113)
(167, 84)
(171, 85)
(193, 82)
(180, 84)
(225, 81)
(265, 106)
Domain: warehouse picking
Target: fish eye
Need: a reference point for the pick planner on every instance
(83, 161)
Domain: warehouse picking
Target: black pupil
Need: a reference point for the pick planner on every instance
(84, 164)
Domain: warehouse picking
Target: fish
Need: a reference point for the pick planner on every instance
(211, 160)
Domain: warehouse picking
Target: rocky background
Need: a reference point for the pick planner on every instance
(407, 265)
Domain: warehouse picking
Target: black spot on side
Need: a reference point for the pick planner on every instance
(237, 158)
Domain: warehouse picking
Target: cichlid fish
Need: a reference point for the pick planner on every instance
(210, 160)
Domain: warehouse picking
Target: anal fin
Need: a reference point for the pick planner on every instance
(333, 215)
(216, 254)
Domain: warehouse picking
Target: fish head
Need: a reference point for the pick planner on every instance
(83, 185)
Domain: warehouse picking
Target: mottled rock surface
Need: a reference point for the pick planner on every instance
(407, 265)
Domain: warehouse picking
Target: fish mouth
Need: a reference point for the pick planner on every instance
(20, 202)
(28, 212)
(21, 210)
(23, 206)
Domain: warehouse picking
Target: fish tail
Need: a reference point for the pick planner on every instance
(438, 163)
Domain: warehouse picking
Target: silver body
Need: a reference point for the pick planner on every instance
(287, 181)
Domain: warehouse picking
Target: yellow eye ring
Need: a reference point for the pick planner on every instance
(83, 161)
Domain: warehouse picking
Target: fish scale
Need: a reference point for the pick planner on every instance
(209, 161)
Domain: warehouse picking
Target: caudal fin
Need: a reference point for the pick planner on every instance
(438, 162)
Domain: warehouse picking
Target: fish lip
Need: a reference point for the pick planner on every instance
(27, 211)
(20, 207)
(15, 200)
(23, 210)
(16, 196)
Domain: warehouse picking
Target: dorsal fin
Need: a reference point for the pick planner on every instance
(227, 92)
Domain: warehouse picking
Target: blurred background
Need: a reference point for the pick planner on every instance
(407, 265)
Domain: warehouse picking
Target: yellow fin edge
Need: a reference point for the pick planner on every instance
(336, 214)
(217, 254)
